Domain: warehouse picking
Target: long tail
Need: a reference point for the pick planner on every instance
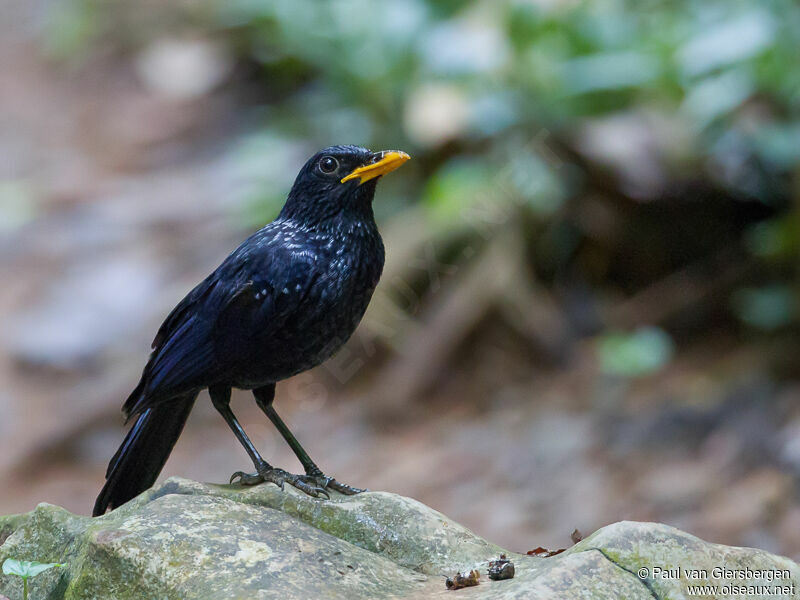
(142, 455)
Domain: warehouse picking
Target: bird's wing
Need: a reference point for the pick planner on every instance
(208, 330)
(261, 305)
(181, 348)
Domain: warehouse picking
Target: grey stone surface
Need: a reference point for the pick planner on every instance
(186, 540)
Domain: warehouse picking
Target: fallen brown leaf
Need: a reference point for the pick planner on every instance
(462, 581)
(544, 552)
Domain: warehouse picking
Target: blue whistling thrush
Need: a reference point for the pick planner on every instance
(281, 303)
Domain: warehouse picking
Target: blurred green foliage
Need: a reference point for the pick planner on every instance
(641, 352)
(352, 68)
(628, 138)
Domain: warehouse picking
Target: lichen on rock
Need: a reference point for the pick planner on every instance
(187, 540)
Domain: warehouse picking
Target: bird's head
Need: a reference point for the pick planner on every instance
(339, 180)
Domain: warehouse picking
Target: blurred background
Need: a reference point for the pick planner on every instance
(590, 307)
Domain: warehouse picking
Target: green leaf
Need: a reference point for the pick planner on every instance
(641, 352)
(457, 187)
(26, 568)
(608, 71)
(768, 308)
(779, 237)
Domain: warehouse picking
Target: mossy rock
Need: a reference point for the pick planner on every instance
(187, 540)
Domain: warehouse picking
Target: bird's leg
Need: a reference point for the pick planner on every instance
(221, 399)
(314, 475)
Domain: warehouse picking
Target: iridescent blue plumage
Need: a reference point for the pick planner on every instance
(281, 303)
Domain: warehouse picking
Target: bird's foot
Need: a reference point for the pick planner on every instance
(280, 477)
(248, 478)
(313, 484)
(321, 480)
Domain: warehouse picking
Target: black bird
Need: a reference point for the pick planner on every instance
(283, 302)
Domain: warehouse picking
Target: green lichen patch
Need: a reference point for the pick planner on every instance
(185, 540)
(176, 545)
(401, 529)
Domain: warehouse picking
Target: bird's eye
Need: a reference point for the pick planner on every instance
(328, 164)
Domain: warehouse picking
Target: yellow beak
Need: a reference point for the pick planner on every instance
(389, 161)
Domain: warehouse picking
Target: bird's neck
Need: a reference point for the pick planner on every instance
(343, 224)
(332, 211)
(330, 218)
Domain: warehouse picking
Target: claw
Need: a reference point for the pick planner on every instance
(325, 483)
(343, 488)
(247, 478)
(315, 485)
(303, 484)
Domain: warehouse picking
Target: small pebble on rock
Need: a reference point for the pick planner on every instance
(501, 568)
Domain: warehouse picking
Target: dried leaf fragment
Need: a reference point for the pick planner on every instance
(462, 581)
(544, 552)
